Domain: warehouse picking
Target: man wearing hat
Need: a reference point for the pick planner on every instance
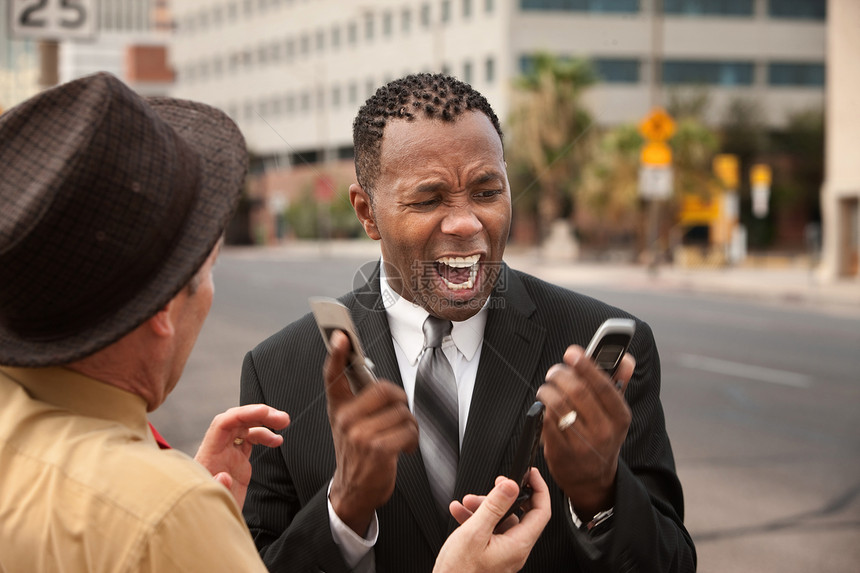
(112, 207)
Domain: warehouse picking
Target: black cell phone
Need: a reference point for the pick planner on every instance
(524, 456)
(331, 315)
(610, 342)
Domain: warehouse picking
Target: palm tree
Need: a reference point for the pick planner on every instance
(549, 129)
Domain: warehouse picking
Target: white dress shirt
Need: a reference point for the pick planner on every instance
(463, 350)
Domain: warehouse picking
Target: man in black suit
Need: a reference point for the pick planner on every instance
(347, 490)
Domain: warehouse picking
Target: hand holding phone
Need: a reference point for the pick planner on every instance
(524, 456)
(331, 315)
(610, 342)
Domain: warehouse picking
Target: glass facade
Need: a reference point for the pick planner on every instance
(708, 7)
(720, 73)
(610, 6)
(808, 9)
(617, 70)
(795, 74)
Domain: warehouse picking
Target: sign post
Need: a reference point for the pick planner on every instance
(50, 22)
(656, 179)
(726, 168)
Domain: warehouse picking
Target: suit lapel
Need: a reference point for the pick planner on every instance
(412, 486)
(504, 386)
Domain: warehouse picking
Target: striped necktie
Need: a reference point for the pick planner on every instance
(437, 412)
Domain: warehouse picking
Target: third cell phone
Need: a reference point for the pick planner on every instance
(524, 456)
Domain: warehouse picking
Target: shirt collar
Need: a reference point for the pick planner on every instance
(81, 394)
(406, 319)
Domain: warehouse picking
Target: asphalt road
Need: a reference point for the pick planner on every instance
(761, 404)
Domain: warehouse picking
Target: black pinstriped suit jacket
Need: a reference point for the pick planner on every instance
(530, 324)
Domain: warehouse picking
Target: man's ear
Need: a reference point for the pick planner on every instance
(364, 210)
(162, 322)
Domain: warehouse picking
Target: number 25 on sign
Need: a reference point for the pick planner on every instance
(52, 19)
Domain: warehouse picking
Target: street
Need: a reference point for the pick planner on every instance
(761, 404)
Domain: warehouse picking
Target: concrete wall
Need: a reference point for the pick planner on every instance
(841, 191)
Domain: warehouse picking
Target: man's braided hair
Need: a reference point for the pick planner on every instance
(436, 96)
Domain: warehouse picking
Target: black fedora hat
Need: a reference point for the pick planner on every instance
(109, 204)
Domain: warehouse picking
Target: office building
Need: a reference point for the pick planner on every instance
(292, 73)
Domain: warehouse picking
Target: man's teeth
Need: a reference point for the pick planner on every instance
(470, 262)
(459, 262)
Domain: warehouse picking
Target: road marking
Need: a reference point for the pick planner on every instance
(748, 371)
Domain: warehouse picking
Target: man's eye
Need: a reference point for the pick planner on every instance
(489, 193)
(428, 203)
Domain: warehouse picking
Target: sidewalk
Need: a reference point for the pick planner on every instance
(791, 283)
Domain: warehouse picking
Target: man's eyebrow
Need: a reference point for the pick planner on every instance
(487, 177)
(435, 186)
(430, 187)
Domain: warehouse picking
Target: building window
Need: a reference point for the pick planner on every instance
(467, 72)
(352, 33)
(305, 101)
(607, 6)
(369, 88)
(234, 61)
(386, 24)
(489, 6)
(290, 103)
(709, 7)
(289, 49)
(275, 51)
(617, 70)
(352, 93)
(425, 15)
(405, 20)
(335, 96)
(729, 73)
(320, 41)
(445, 15)
(304, 45)
(346, 152)
(467, 9)
(490, 70)
(368, 27)
(795, 74)
(809, 9)
(335, 38)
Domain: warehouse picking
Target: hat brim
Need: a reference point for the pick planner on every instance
(223, 157)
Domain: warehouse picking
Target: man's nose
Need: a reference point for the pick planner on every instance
(461, 221)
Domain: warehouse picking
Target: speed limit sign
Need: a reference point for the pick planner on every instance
(52, 19)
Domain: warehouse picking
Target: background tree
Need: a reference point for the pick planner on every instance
(609, 194)
(797, 181)
(549, 127)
